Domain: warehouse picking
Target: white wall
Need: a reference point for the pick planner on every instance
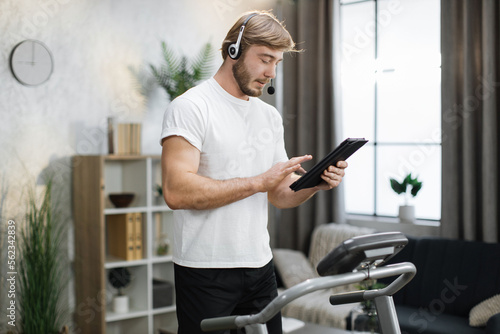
(93, 43)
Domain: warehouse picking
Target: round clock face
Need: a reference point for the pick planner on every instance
(31, 62)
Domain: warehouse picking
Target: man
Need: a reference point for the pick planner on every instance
(223, 160)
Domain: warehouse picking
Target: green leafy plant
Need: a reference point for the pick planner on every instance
(370, 284)
(119, 278)
(177, 75)
(408, 184)
(41, 266)
(368, 320)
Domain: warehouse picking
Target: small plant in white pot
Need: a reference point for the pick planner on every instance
(409, 187)
(120, 278)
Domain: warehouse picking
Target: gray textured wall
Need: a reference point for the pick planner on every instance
(93, 43)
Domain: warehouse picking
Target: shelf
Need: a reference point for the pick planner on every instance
(161, 208)
(116, 157)
(162, 310)
(161, 259)
(112, 262)
(112, 316)
(117, 211)
(94, 178)
(144, 209)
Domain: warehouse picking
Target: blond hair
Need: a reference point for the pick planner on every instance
(262, 29)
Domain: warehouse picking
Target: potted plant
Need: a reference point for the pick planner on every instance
(363, 317)
(409, 186)
(41, 266)
(120, 278)
(177, 75)
(162, 244)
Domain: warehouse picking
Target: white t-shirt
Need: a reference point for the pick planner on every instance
(236, 138)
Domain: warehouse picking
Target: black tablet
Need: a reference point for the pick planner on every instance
(313, 177)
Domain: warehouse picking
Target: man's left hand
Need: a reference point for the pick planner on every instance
(332, 176)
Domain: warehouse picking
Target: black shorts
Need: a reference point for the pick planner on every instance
(208, 293)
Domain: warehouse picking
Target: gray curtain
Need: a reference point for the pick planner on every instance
(311, 111)
(470, 123)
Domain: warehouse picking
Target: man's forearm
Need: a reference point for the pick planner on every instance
(283, 197)
(184, 188)
(196, 192)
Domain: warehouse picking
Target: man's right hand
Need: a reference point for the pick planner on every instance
(275, 175)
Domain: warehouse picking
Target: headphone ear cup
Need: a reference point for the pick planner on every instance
(233, 51)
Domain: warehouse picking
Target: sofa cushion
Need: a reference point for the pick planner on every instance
(493, 324)
(328, 236)
(482, 312)
(293, 266)
(418, 321)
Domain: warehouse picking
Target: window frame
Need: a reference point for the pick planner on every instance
(375, 142)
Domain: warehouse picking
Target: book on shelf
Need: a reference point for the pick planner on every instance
(138, 236)
(128, 139)
(125, 236)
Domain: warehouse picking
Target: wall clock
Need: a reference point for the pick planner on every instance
(31, 62)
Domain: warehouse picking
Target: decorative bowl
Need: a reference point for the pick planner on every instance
(121, 200)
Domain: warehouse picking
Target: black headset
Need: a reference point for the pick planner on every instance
(234, 50)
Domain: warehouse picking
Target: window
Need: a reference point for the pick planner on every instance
(391, 95)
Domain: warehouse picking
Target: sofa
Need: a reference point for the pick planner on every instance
(456, 288)
(457, 285)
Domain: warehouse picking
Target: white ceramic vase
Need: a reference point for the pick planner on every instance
(120, 304)
(406, 213)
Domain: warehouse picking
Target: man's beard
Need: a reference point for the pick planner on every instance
(244, 79)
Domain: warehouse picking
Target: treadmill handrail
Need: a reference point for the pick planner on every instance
(406, 270)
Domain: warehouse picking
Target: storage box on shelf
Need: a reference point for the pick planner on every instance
(100, 240)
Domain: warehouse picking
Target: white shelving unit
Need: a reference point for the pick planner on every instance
(94, 178)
